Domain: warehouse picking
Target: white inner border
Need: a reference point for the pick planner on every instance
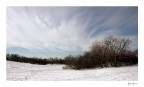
(5, 3)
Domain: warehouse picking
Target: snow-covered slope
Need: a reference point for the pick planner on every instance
(24, 71)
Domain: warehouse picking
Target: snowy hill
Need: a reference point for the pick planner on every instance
(25, 71)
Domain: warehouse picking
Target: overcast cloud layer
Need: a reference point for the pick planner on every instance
(59, 31)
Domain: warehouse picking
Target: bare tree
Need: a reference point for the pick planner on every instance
(98, 51)
(110, 49)
(116, 47)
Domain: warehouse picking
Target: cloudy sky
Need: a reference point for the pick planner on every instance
(60, 31)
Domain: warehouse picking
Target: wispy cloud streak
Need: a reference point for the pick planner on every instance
(67, 29)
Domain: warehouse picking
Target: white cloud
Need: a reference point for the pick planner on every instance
(61, 28)
(40, 31)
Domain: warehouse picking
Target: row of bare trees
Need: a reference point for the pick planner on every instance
(111, 51)
(34, 60)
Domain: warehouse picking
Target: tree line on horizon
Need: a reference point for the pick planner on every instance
(34, 60)
(109, 52)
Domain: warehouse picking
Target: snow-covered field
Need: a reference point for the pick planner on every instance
(25, 71)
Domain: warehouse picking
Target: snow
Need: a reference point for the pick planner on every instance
(24, 71)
